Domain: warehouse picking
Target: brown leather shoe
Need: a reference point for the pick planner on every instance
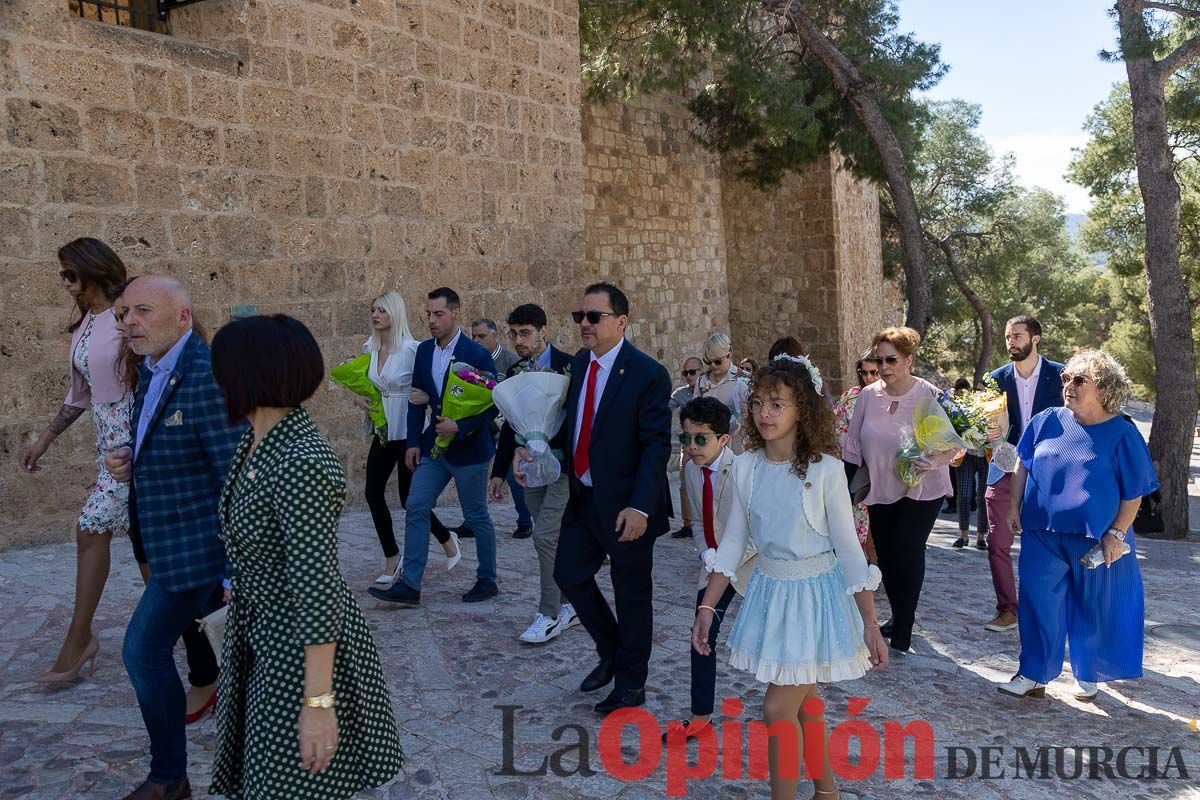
(1004, 621)
(156, 791)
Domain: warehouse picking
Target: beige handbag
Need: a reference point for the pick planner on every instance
(214, 628)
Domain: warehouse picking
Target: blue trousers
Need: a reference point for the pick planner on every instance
(428, 483)
(156, 625)
(1100, 611)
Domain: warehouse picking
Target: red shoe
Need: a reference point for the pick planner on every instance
(208, 708)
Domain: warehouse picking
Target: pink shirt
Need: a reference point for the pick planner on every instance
(104, 361)
(874, 439)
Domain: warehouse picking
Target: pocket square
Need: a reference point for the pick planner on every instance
(175, 419)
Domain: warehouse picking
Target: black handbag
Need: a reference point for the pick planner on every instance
(860, 484)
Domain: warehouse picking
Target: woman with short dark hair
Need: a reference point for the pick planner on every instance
(93, 275)
(298, 658)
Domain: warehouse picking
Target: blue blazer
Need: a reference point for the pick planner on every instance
(630, 444)
(180, 470)
(474, 443)
(1047, 393)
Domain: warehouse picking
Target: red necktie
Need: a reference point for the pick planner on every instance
(710, 530)
(582, 463)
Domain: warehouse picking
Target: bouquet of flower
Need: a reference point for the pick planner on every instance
(468, 392)
(931, 443)
(352, 374)
(993, 403)
(532, 402)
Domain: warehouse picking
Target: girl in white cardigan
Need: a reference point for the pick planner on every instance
(799, 624)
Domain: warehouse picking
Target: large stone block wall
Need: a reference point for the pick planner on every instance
(652, 223)
(297, 156)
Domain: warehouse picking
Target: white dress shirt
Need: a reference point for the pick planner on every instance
(1026, 389)
(606, 362)
(393, 383)
(443, 357)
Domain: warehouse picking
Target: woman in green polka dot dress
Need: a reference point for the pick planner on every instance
(303, 711)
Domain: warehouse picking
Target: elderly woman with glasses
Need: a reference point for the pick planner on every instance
(866, 369)
(1082, 474)
(901, 517)
(725, 382)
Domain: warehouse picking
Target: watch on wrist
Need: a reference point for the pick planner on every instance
(320, 701)
(1117, 532)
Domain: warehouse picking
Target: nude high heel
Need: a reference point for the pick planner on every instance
(69, 676)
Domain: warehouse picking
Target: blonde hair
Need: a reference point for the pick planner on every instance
(905, 340)
(1108, 375)
(718, 344)
(393, 304)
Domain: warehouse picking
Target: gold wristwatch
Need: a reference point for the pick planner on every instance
(320, 701)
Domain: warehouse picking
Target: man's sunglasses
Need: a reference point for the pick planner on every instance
(68, 275)
(592, 317)
(687, 373)
(1077, 380)
(701, 439)
(712, 362)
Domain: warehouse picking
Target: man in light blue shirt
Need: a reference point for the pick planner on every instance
(161, 371)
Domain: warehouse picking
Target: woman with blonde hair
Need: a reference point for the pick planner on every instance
(725, 382)
(393, 351)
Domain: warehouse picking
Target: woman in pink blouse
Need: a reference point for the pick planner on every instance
(93, 275)
(901, 518)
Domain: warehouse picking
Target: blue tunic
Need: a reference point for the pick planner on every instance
(1079, 474)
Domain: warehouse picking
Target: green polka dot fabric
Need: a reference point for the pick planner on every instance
(279, 516)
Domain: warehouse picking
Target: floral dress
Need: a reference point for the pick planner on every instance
(279, 521)
(843, 411)
(107, 507)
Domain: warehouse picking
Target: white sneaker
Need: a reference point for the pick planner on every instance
(452, 561)
(541, 630)
(1020, 686)
(567, 614)
(1086, 691)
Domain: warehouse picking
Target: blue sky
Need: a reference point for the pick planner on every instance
(1032, 66)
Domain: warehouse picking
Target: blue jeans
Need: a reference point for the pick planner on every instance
(430, 479)
(157, 623)
(524, 518)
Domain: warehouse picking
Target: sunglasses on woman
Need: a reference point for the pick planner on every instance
(68, 275)
(1074, 380)
(888, 360)
(868, 373)
(712, 362)
(701, 439)
(687, 373)
(593, 317)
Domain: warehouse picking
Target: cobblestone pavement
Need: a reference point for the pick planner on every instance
(450, 665)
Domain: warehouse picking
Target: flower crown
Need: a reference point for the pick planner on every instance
(813, 372)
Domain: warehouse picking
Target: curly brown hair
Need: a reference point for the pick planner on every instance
(814, 419)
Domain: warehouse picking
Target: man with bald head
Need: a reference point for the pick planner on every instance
(183, 442)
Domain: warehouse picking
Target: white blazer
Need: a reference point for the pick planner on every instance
(393, 384)
(693, 476)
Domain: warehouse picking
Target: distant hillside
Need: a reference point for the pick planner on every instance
(1074, 224)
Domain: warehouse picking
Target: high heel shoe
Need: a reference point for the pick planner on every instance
(209, 707)
(452, 561)
(69, 676)
(387, 579)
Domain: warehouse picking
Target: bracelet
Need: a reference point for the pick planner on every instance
(320, 701)
(710, 608)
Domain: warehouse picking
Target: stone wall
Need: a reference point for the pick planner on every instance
(297, 156)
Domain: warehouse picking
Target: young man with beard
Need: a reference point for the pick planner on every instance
(1032, 384)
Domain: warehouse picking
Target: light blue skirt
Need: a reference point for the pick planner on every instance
(799, 625)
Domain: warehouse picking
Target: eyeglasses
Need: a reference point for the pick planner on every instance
(687, 373)
(592, 317)
(887, 359)
(68, 275)
(715, 361)
(868, 373)
(1076, 380)
(701, 439)
(771, 408)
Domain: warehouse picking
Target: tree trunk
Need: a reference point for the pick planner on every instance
(1173, 429)
(981, 310)
(850, 84)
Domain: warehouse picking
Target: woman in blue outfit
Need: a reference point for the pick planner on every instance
(1083, 472)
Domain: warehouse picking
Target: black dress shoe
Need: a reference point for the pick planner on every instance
(523, 532)
(600, 677)
(621, 699)
(399, 593)
(464, 532)
(689, 730)
(157, 791)
(886, 629)
(481, 591)
(683, 533)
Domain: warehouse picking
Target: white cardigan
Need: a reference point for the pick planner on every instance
(393, 384)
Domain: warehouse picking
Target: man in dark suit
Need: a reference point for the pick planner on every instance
(527, 331)
(620, 426)
(465, 460)
(182, 446)
(1032, 384)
